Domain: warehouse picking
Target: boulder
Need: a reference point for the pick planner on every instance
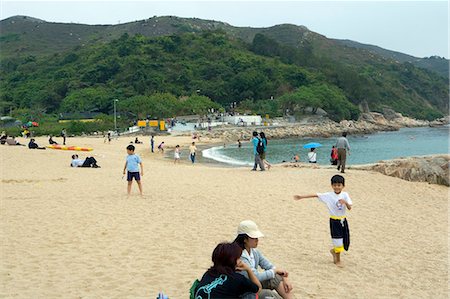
(431, 169)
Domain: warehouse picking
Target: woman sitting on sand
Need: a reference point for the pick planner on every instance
(271, 278)
(51, 141)
(222, 280)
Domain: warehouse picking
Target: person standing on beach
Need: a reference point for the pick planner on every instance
(192, 152)
(343, 147)
(263, 155)
(312, 156)
(257, 145)
(63, 135)
(152, 143)
(132, 167)
(337, 203)
(176, 155)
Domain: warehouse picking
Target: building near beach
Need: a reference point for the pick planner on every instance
(244, 120)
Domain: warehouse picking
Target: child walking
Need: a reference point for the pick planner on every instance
(132, 166)
(337, 203)
(176, 155)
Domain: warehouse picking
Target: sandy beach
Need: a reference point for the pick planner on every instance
(73, 232)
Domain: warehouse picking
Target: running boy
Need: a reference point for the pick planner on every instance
(336, 201)
(131, 165)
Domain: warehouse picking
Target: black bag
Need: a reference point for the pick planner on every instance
(260, 147)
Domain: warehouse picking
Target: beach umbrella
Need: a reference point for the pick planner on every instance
(312, 145)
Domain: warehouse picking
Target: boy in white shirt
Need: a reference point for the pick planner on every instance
(337, 202)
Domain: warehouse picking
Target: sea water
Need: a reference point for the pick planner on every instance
(365, 149)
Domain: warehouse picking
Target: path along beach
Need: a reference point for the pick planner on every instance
(73, 233)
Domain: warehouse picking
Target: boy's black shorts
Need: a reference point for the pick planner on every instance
(135, 175)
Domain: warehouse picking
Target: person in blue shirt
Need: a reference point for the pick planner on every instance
(258, 161)
(132, 167)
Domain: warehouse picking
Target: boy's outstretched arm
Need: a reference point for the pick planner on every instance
(298, 197)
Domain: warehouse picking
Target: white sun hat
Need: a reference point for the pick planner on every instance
(249, 228)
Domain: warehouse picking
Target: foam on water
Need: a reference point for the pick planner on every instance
(214, 154)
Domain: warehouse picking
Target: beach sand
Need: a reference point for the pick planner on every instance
(73, 233)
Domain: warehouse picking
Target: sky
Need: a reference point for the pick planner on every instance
(418, 28)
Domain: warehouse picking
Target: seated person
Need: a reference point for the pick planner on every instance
(3, 137)
(51, 141)
(271, 278)
(13, 141)
(136, 141)
(32, 144)
(88, 162)
(222, 280)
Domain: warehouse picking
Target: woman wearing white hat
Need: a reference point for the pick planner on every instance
(271, 278)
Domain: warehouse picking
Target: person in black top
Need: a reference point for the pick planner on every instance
(33, 145)
(51, 141)
(222, 280)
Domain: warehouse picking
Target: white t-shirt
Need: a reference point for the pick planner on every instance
(77, 162)
(312, 156)
(331, 199)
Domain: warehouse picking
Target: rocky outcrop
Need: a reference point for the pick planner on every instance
(319, 127)
(431, 169)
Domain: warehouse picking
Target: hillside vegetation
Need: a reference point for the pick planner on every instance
(202, 67)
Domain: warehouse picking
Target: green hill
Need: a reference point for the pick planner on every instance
(152, 65)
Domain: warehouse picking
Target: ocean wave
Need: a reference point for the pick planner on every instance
(213, 153)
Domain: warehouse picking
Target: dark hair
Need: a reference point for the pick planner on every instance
(255, 133)
(130, 147)
(337, 179)
(224, 258)
(74, 156)
(344, 134)
(263, 136)
(240, 240)
(313, 148)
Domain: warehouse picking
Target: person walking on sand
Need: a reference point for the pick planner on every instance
(132, 167)
(271, 278)
(337, 202)
(176, 155)
(192, 152)
(161, 147)
(263, 155)
(343, 148)
(258, 148)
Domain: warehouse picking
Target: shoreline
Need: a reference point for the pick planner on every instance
(369, 123)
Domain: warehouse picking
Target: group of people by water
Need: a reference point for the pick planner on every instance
(338, 154)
